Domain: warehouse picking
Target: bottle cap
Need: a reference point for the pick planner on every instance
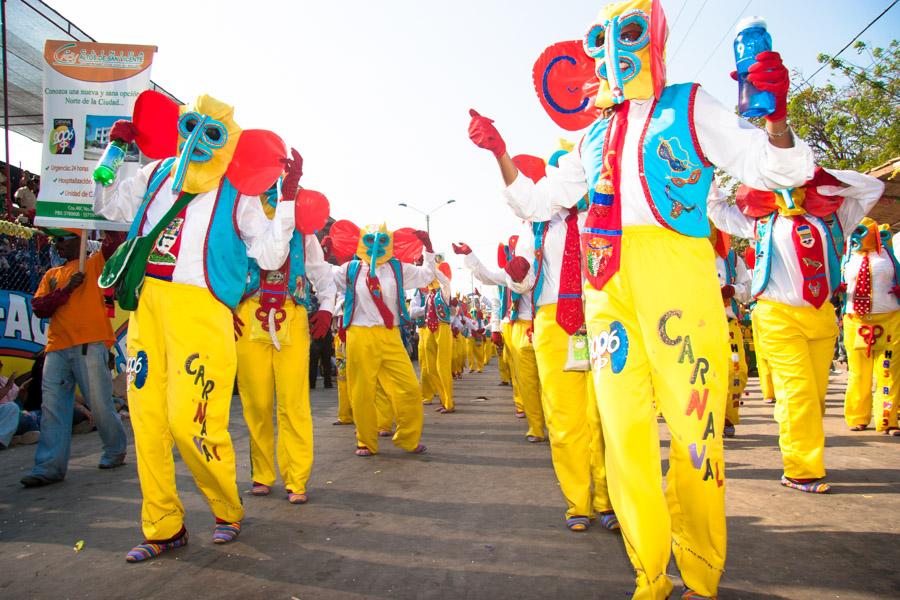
(748, 22)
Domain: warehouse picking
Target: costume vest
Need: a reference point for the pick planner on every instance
(225, 261)
(674, 173)
(298, 284)
(353, 271)
(762, 270)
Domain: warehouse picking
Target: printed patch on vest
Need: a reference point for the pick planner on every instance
(598, 251)
(136, 369)
(162, 253)
(670, 150)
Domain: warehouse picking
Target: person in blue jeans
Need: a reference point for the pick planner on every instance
(78, 340)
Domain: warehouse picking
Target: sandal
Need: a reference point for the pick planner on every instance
(226, 532)
(364, 452)
(859, 428)
(420, 449)
(520, 414)
(728, 431)
(446, 411)
(892, 431)
(339, 422)
(578, 524)
(608, 520)
(148, 549)
(297, 498)
(533, 439)
(816, 486)
(689, 594)
(385, 433)
(260, 489)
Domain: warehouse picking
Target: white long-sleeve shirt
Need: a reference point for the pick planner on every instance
(267, 240)
(741, 282)
(786, 279)
(882, 268)
(728, 141)
(490, 276)
(365, 312)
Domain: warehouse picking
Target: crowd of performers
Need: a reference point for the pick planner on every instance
(621, 301)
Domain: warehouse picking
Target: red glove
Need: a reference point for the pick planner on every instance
(727, 292)
(461, 248)
(123, 131)
(454, 302)
(896, 291)
(319, 324)
(238, 325)
(842, 288)
(769, 74)
(483, 133)
(517, 268)
(328, 248)
(455, 331)
(293, 168)
(342, 334)
(426, 240)
(497, 338)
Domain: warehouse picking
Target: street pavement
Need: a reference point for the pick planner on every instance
(478, 516)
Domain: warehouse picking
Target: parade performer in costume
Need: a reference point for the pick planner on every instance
(345, 413)
(374, 304)
(475, 341)
(871, 279)
(496, 329)
(524, 368)
(459, 342)
(734, 282)
(798, 235)
(766, 387)
(273, 345)
(427, 383)
(550, 272)
(438, 346)
(201, 218)
(652, 298)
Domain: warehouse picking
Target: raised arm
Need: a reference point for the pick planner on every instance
(267, 241)
(728, 217)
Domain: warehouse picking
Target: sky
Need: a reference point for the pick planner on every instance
(375, 94)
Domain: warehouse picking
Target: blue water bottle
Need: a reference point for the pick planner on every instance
(752, 38)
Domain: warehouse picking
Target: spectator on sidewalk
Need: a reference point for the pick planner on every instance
(78, 340)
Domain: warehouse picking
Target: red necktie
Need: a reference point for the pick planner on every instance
(601, 237)
(811, 256)
(431, 317)
(862, 292)
(569, 308)
(374, 286)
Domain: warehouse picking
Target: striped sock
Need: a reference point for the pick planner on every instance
(149, 549)
(226, 532)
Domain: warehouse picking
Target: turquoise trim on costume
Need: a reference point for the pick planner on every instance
(353, 270)
(226, 261)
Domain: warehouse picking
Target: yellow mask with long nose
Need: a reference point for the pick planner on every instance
(207, 138)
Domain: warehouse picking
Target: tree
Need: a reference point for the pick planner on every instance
(852, 124)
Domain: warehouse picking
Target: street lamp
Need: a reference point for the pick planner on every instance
(427, 214)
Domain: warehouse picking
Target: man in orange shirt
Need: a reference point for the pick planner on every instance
(78, 342)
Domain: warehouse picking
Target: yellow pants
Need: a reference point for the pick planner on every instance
(345, 413)
(503, 365)
(459, 353)
(528, 383)
(181, 367)
(509, 351)
(573, 422)
(883, 363)
(766, 387)
(475, 355)
(377, 354)
(265, 373)
(799, 345)
(438, 357)
(426, 382)
(737, 379)
(487, 349)
(384, 412)
(658, 332)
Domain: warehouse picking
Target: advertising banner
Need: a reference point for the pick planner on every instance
(88, 86)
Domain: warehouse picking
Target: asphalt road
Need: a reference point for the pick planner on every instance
(478, 516)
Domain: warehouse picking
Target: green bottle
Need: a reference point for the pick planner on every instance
(112, 159)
